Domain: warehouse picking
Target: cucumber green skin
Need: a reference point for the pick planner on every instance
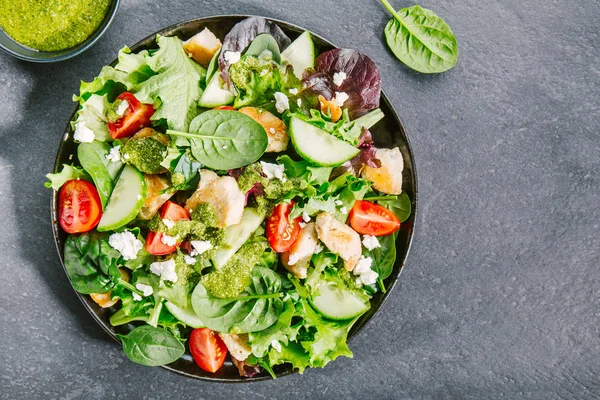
(300, 65)
(335, 146)
(341, 311)
(214, 101)
(135, 210)
(187, 316)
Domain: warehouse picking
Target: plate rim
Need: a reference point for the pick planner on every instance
(353, 332)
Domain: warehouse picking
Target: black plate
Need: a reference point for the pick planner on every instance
(387, 133)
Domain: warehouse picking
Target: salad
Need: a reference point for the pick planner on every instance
(227, 198)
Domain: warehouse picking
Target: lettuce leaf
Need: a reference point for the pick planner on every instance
(176, 84)
(93, 114)
(68, 173)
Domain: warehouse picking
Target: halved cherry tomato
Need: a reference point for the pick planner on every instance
(171, 211)
(79, 206)
(225, 108)
(281, 233)
(372, 219)
(135, 118)
(208, 349)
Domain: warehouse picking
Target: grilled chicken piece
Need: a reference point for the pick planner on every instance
(339, 238)
(297, 258)
(223, 194)
(154, 199)
(388, 177)
(202, 47)
(276, 129)
(331, 108)
(237, 345)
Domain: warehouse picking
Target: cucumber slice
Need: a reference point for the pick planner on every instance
(300, 54)
(213, 95)
(317, 146)
(236, 236)
(126, 200)
(337, 303)
(185, 315)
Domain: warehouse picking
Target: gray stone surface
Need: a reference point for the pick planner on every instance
(500, 295)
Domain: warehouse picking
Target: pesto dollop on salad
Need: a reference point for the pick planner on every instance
(227, 198)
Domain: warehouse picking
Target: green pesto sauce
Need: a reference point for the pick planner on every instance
(206, 213)
(231, 279)
(52, 25)
(145, 154)
(188, 230)
(274, 188)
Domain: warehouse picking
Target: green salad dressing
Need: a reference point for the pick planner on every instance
(52, 25)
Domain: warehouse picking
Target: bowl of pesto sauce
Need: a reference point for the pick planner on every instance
(53, 30)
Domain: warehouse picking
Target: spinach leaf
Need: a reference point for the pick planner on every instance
(257, 308)
(421, 39)
(68, 173)
(263, 42)
(399, 205)
(213, 66)
(224, 139)
(176, 84)
(151, 346)
(281, 331)
(383, 257)
(91, 263)
(92, 157)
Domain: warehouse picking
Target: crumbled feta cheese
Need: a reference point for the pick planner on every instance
(139, 197)
(272, 130)
(114, 155)
(338, 202)
(231, 57)
(363, 265)
(224, 146)
(302, 224)
(318, 248)
(125, 243)
(168, 223)
(263, 73)
(145, 289)
(338, 78)
(299, 102)
(282, 102)
(340, 98)
(370, 242)
(294, 258)
(293, 91)
(164, 269)
(369, 277)
(273, 170)
(136, 296)
(305, 216)
(201, 246)
(168, 240)
(189, 260)
(126, 156)
(122, 107)
(344, 210)
(276, 345)
(366, 275)
(83, 134)
(70, 157)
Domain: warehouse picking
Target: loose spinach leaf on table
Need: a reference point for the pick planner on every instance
(151, 346)
(223, 139)
(421, 39)
(257, 308)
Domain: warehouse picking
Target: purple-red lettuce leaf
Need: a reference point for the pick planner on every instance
(242, 34)
(362, 83)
